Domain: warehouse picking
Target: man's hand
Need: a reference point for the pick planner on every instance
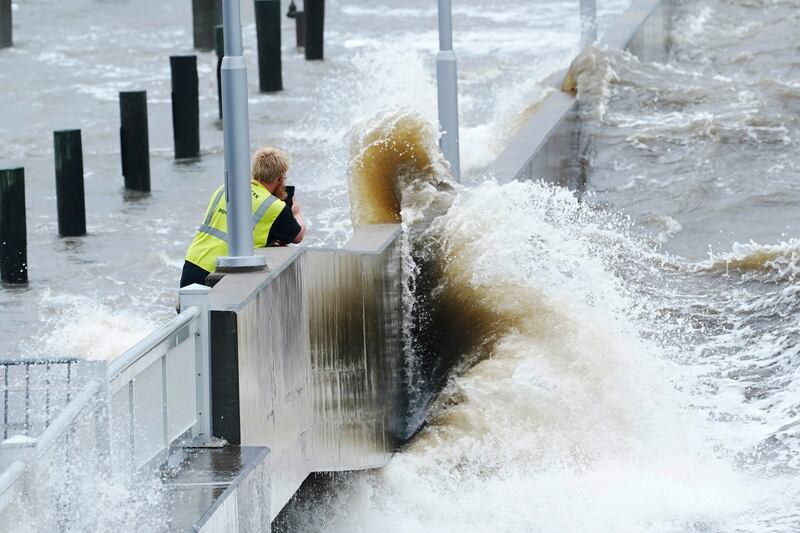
(299, 217)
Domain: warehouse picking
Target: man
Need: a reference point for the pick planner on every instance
(277, 218)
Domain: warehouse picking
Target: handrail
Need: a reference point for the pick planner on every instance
(127, 359)
(171, 363)
(9, 477)
(18, 361)
(66, 416)
(164, 347)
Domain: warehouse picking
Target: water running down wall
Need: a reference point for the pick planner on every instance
(320, 379)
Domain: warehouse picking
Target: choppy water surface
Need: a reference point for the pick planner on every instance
(702, 149)
(95, 295)
(624, 379)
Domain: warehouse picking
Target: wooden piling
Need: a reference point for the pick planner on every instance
(134, 143)
(300, 28)
(205, 15)
(13, 232)
(219, 45)
(6, 39)
(268, 35)
(185, 106)
(70, 201)
(314, 28)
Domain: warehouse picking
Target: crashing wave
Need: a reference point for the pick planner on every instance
(397, 172)
(770, 262)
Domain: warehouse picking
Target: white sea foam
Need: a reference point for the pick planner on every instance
(572, 420)
(82, 326)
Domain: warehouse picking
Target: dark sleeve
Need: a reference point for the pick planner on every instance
(285, 229)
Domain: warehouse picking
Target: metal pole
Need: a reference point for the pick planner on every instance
(588, 23)
(447, 80)
(236, 136)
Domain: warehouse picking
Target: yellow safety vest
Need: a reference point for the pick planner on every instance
(211, 239)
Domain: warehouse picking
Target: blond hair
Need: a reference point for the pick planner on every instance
(270, 164)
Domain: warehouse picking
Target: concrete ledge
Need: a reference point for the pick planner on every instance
(220, 490)
(546, 126)
(373, 239)
(548, 145)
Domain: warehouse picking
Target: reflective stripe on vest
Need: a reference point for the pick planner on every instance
(211, 239)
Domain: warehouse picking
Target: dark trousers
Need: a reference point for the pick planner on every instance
(193, 274)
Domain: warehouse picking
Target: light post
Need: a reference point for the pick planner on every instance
(236, 136)
(447, 81)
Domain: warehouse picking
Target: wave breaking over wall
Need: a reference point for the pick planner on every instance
(398, 174)
(579, 397)
(562, 414)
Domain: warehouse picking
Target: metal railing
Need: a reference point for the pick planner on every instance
(39, 468)
(30, 398)
(154, 396)
(160, 389)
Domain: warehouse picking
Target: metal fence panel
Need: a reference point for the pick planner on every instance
(121, 422)
(60, 433)
(181, 394)
(148, 413)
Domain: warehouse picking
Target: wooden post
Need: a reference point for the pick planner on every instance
(185, 106)
(299, 24)
(13, 233)
(5, 24)
(268, 35)
(205, 15)
(134, 143)
(219, 45)
(69, 183)
(315, 24)
(300, 28)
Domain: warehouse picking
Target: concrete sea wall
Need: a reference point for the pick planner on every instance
(308, 361)
(549, 145)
